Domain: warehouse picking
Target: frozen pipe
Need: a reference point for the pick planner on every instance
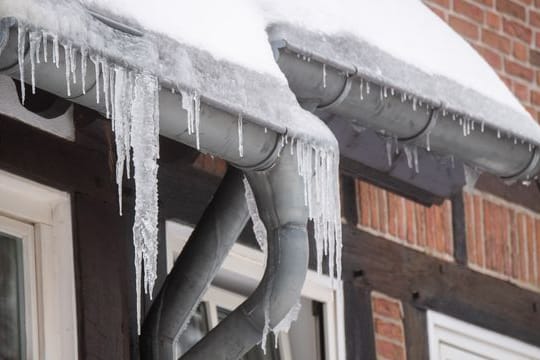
(280, 201)
(278, 189)
(210, 242)
(337, 91)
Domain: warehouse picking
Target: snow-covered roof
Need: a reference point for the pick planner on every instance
(221, 49)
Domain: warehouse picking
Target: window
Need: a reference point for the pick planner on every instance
(316, 335)
(37, 292)
(450, 338)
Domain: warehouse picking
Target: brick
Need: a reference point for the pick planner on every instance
(516, 29)
(537, 40)
(493, 59)
(493, 20)
(535, 97)
(534, 18)
(469, 10)
(505, 245)
(515, 248)
(386, 307)
(520, 51)
(449, 234)
(470, 227)
(516, 69)
(365, 208)
(489, 223)
(485, 2)
(420, 212)
(464, 27)
(479, 230)
(393, 214)
(512, 8)
(411, 222)
(508, 81)
(521, 91)
(374, 203)
(383, 210)
(534, 57)
(402, 230)
(494, 40)
(537, 252)
(388, 329)
(389, 350)
(531, 246)
(522, 252)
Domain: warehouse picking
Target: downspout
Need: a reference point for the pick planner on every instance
(279, 192)
(343, 93)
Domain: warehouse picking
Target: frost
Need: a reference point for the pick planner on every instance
(258, 226)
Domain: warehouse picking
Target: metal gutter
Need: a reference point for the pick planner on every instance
(325, 87)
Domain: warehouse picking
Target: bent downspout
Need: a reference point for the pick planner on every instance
(340, 94)
(280, 200)
(279, 192)
(202, 256)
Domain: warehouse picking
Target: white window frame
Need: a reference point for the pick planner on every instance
(248, 265)
(449, 336)
(41, 217)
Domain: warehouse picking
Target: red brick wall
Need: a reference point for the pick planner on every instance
(388, 326)
(503, 239)
(507, 34)
(426, 229)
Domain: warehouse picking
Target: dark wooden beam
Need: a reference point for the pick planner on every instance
(458, 228)
(360, 337)
(349, 209)
(416, 336)
(449, 288)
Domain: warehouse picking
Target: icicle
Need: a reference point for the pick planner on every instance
(241, 135)
(498, 134)
(428, 141)
(144, 143)
(187, 105)
(396, 144)
(265, 130)
(408, 155)
(258, 226)
(56, 52)
(67, 62)
(73, 62)
(385, 92)
(367, 87)
(84, 59)
(197, 118)
(34, 40)
(530, 147)
(414, 103)
(324, 75)
(106, 85)
(415, 158)
(44, 38)
(482, 126)
(389, 152)
(21, 47)
(392, 91)
(361, 89)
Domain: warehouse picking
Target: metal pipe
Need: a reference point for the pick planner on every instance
(280, 200)
(340, 94)
(213, 237)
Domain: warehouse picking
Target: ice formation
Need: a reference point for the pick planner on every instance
(258, 226)
(191, 103)
(131, 101)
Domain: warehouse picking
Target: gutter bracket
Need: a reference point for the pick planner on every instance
(426, 130)
(342, 96)
(530, 169)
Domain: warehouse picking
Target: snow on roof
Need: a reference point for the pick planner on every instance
(221, 48)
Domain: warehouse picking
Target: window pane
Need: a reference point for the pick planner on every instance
(256, 353)
(12, 328)
(307, 332)
(197, 328)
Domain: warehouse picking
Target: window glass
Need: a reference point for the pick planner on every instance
(12, 324)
